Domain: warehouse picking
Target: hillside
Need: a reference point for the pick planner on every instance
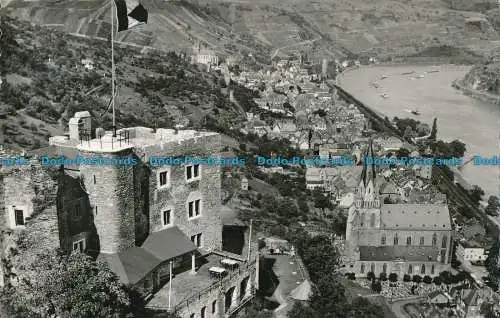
(484, 78)
(45, 82)
(268, 28)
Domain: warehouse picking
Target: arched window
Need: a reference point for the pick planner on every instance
(408, 240)
(396, 240)
(372, 220)
(432, 269)
(362, 219)
(422, 270)
(410, 269)
(384, 238)
(445, 241)
(362, 268)
(434, 239)
(384, 268)
(422, 240)
(372, 268)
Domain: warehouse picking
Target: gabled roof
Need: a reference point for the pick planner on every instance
(415, 216)
(131, 265)
(168, 244)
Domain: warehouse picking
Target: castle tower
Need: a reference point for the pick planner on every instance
(324, 68)
(110, 189)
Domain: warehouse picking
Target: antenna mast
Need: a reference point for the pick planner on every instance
(113, 65)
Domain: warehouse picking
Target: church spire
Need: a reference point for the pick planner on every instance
(368, 173)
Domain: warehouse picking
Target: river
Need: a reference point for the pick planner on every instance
(460, 117)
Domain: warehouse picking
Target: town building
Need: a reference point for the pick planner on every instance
(469, 251)
(395, 238)
(157, 225)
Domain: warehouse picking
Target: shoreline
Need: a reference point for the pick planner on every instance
(482, 96)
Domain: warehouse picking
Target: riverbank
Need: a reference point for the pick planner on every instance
(482, 96)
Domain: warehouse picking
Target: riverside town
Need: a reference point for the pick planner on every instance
(249, 159)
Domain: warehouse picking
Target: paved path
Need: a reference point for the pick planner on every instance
(397, 307)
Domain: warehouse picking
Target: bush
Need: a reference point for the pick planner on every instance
(427, 279)
(407, 278)
(376, 286)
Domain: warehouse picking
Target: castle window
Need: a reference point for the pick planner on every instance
(79, 246)
(167, 217)
(396, 240)
(422, 270)
(214, 306)
(422, 240)
(197, 240)
(19, 217)
(193, 172)
(445, 241)
(432, 269)
(77, 211)
(163, 178)
(410, 269)
(194, 208)
(434, 240)
(384, 268)
(408, 240)
(383, 239)
(372, 268)
(372, 220)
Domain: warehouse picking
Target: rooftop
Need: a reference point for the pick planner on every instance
(135, 137)
(415, 216)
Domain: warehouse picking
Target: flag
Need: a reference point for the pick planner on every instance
(129, 14)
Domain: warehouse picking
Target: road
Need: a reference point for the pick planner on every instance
(397, 307)
(292, 45)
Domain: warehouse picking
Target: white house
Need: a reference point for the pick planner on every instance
(470, 252)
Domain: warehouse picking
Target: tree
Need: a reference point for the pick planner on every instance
(406, 278)
(433, 134)
(475, 194)
(376, 286)
(436, 280)
(493, 205)
(370, 276)
(299, 310)
(53, 284)
(393, 277)
(427, 279)
(382, 277)
(417, 279)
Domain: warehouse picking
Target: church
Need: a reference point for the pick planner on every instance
(405, 239)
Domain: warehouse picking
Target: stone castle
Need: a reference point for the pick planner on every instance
(405, 239)
(159, 228)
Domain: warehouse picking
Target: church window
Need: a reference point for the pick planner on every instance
(383, 239)
(422, 270)
(432, 269)
(384, 268)
(396, 240)
(434, 240)
(372, 220)
(445, 241)
(372, 268)
(422, 240)
(362, 219)
(410, 269)
(362, 270)
(408, 240)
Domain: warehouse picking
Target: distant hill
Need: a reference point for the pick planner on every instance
(268, 28)
(44, 82)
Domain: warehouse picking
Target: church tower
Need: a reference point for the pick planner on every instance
(367, 193)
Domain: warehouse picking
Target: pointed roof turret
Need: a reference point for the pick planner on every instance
(368, 173)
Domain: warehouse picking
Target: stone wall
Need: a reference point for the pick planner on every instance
(111, 195)
(175, 197)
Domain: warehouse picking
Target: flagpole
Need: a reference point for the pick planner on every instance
(113, 65)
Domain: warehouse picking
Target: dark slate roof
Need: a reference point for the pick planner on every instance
(131, 265)
(168, 244)
(406, 253)
(415, 216)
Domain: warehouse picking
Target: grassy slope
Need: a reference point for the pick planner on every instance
(38, 96)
